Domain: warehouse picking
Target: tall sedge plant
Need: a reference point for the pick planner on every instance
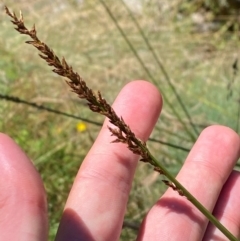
(98, 104)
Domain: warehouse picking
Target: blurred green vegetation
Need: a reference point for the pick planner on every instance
(196, 42)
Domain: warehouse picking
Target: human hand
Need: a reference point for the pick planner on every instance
(96, 204)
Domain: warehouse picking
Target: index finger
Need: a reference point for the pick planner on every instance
(98, 199)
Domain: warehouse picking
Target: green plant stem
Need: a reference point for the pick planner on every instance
(191, 198)
(192, 136)
(57, 112)
(161, 66)
(42, 107)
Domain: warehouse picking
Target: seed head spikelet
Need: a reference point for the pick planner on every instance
(95, 101)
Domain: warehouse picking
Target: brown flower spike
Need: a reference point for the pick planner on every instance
(95, 101)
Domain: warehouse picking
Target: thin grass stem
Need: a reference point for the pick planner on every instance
(146, 69)
(184, 192)
(57, 112)
(42, 107)
(161, 66)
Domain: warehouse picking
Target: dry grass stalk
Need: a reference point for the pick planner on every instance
(96, 102)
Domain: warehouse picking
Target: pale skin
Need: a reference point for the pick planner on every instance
(95, 208)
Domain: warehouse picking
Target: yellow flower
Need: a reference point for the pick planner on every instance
(81, 126)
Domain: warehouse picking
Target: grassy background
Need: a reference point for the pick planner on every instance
(199, 64)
